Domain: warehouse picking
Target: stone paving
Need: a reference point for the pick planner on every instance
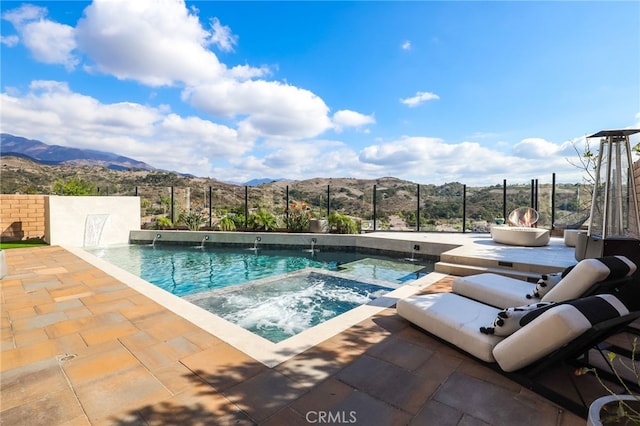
(80, 347)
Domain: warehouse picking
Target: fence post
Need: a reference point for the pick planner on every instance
(533, 192)
(172, 215)
(246, 207)
(286, 210)
(418, 211)
(464, 208)
(504, 199)
(328, 200)
(553, 199)
(210, 206)
(374, 207)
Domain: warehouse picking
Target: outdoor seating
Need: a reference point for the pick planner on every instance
(520, 230)
(524, 343)
(588, 277)
(458, 320)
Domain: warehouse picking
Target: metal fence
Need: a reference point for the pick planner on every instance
(410, 207)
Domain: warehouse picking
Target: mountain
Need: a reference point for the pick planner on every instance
(256, 182)
(60, 155)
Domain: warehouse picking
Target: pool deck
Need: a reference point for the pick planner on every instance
(79, 346)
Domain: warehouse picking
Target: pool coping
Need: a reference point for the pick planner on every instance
(268, 353)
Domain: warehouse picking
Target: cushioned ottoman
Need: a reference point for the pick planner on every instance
(455, 319)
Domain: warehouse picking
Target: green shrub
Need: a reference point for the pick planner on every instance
(341, 224)
(262, 220)
(192, 220)
(74, 186)
(227, 224)
(163, 222)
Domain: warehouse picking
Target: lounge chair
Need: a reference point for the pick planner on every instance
(589, 276)
(532, 338)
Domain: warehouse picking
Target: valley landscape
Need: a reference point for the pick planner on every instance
(397, 202)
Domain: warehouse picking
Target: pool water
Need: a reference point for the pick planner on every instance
(272, 293)
(184, 270)
(280, 307)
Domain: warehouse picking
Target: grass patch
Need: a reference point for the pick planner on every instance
(32, 242)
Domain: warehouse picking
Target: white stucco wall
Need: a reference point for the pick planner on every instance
(66, 219)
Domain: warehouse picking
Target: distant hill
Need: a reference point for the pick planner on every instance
(43, 153)
(440, 205)
(256, 182)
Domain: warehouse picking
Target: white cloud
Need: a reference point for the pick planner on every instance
(272, 108)
(406, 45)
(419, 98)
(535, 148)
(222, 37)
(53, 113)
(347, 118)
(25, 13)
(432, 160)
(154, 44)
(10, 41)
(49, 42)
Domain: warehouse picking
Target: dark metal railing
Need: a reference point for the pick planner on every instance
(425, 210)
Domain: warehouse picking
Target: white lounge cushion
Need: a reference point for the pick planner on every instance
(493, 289)
(553, 328)
(504, 292)
(455, 319)
(588, 272)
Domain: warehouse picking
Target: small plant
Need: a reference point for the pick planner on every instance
(227, 224)
(298, 218)
(238, 220)
(262, 220)
(341, 224)
(163, 222)
(192, 220)
(626, 410)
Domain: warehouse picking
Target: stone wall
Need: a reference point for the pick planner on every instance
(22, 217)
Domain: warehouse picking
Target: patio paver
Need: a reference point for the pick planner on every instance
(80, 347)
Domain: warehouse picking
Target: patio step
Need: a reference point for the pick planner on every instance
(502, 265)
(465, 270)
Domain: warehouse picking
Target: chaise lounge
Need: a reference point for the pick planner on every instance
(585, 278)
(544, 331)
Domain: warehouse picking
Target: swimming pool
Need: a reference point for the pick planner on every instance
(272, 293)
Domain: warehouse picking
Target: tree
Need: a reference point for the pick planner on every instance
(587, 161)
(74, 186)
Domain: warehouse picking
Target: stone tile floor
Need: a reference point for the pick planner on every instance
(80, 347)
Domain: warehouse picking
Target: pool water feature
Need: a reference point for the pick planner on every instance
(277, 308)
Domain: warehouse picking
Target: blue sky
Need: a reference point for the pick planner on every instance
(432, 92)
